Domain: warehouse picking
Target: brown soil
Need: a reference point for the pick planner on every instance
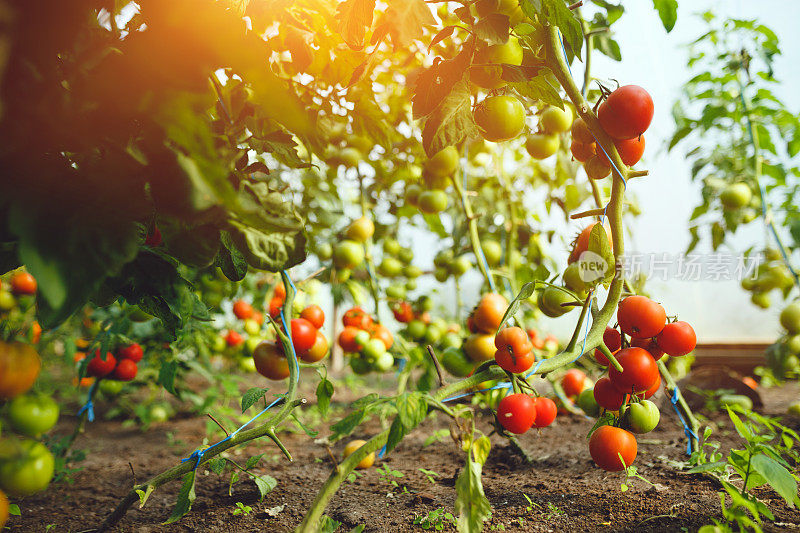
(568, 492)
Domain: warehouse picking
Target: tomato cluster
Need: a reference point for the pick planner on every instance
(517, 413)
(366, 341)
(624, 115)
(122, 367)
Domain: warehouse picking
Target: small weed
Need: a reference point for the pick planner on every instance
(436, 520)
(430, 475)
(242, 509)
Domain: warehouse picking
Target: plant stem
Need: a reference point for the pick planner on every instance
(472, 226)
(672, 388)
(587, 69)
(267, 429)
(373, 285)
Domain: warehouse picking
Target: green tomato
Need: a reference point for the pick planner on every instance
(252, 327)
(735, 196)
(412, 271)
(343, 274)
(642, 417)
(218, 344)
(324, 251)
(573, 280)
(425, 303)
(555, 120)
(790, 317)
(793, 343)
(251, 343)
(736, 399)
(444, 162)
(490, 77)
(441, 274)
(390, 267)
(406, 255)
(550, 302)
(443, 258)
(500, 118)
(373, 349)
(396, 292)
(362, 338)
(456, 362)
(492, 251)
(542, 146)
(360, 230)
(761, 299)
(26, 467)
(246, 364)
(416, 329)
(411, 284)
(32, 415)
(772, 254)
(433, 201)
(434, 334)
(7, 301)
(111, 387)
(348, 254)
(158, 413)
(452, 340)
(460, 265)
(384, 362)
(391, 246)
(587, 402)
(360, 366)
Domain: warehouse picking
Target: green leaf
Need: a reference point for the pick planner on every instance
(481, 448)
(541, 87)
(217, 465)
(253, 461)
(252, 396)
(740, 426)
(606, 45)
(397, 431)
(777, 476)
(525, 292)
(451, 122)
(328, 524)
(166, 376)
(559, 14)
(472, 506)
(265, 485)
(406, 20)
(308, 431)
(324, 394)
(411, 409)
(708, 467)
(13, 510)
(599, 245)
(668, 12)
(493, 28)
(346, 425)
(229, 259)
(355, 17)
(185, 499)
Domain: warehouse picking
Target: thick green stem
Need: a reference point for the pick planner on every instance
(267, 429)
(672, 389)
(587, 69)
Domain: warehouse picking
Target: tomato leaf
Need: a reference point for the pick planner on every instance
(252, 396)
(542, 87)
(346, 425)
(493, 28)
(443, 34)
(471, 504)
(556, 12)
(436, 82)
(397, 432)
(451, 122)
(355, 17)
(406, 20)
(265, 485)
(777, 476)
(166, 376)
(668, 12)
(186, 498)
(229, 259)
(324, 394)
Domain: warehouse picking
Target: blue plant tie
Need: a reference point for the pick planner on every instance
(401, 364)
(686, 429)
(502, 385)
(88, 407)
(382, 452)
(291, 283)
(197, 455)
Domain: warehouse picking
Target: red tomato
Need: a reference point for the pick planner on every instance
(651, 391)
(582, 242)
(471, 327)
(318, 351)
(641, 317)
(536, 341)
(233, 338)
(630, 150)
(677, 339)
(258, 316)
(573, 382)
(626, 113)
(607, 396)
(581, 132)
(23, 283)
(153, 238)
(514, 339)
(304, 335)
(639, 371)
(750, 382)
(357, 318)
(649, 345)
(512, 361)
(516, 413)
(242, 309)
(275, 306)
(279, 292)
(36, 332)
(403, 312)
(315, 315)
(379, 331)
(269, 362)
(97, 367)
(489, 312)
(546, 411)
(608, 443)
(125, 371)
(133, 352)
(347, 339)
(613, 341)
(582, 152)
